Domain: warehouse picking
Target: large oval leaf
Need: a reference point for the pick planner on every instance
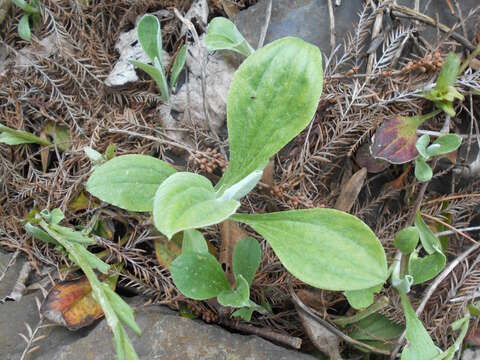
(129, 181)
(273, 96)
(188, 201)
(325, 248)
(198, 276)
(150, 36)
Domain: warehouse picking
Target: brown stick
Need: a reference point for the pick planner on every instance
(287, 340)
(404, 11)
(332, 25)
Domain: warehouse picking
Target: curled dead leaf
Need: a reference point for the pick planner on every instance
(71, 303)
(351, 190)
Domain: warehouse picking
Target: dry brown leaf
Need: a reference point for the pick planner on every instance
(231, 233)
(351, 190)
(71, 303)
(166, 251)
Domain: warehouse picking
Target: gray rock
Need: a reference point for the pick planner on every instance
(169, 336)
(13, 317)
(471, 354)
(307, 19)
(9, 271)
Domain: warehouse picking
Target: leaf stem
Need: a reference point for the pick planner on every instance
(420, 119)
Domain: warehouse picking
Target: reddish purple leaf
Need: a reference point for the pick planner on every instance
(395, 140)
(364, 159)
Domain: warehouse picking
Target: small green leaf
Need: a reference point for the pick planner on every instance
(193, 241)
(60, 134)
(448, 74)
(406, 240)
(474, 309)
(420, 345)
(325, 248)
(150, 36)
(243, 187)
(122, 309)
(30, 9)
(244, 313)
(188, 201)
(247, 256)
(273, 96)
(425, 268)
(444, 144)
(198, 276)
(39, 234)
(111, 151)
(423, 172)
(360, 299)
(422, 144)
(222, 34)
(462, 325)
(430, 242)
(177, 67)
(129, 181)
(24, 28)
(17, 137)
(239, 297)
(56, 216)
(92, 154)
(376, 327)
(157, 74)
(71, 234)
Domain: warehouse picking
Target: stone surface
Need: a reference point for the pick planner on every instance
(309, 20)
(13, 317)
(9, 273)
(169, 336)
(471, 354)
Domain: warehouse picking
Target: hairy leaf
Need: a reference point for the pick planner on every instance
(422, 144)
(430, 242)
(425, 268)
(188, 201)
(444, 144)
(157, 74)
(24, 28)
(222, 34)
(406, 240)
(239, 297)
(243, 187)
(17, 137)
(247, 256)
(193, 241)
(420, 345)
(423, 171)
(129, 181)
(360, 299)
(177, 67)
(150, 36)
(198, 276)
(449, 72)
(325, 248)
(273, 96)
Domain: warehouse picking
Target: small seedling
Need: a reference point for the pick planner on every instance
(443, 145)
(150, 37)
(32, 13)
(45, 226)
(222, 34)
(17, 137)
(444, 93)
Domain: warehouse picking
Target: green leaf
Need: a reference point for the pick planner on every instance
(17, 137)
(157, 74)
(425, 268)
(193, 241)
(423, 172)
(30, 9)
(71, 234)
(24, 28)
(462, 325)
(325, 248)
(122, 309)
(430, 242)
(245, 313)
(60, 134)
(93, 154)
(448, 74)
(360, 299)
(444, 144)
(188, 201)
(376, 327)
(239, 297)
(406, 240)
(198, 276)
(129, 181)
(420, 345)
(273, 96)
(39, 234)
(246, 257)
(243, 187)
(177, 67)
(150, 37)
(56, 216)
(422, 144)
(222, 34)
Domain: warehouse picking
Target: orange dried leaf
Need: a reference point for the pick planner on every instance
(71, 303)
